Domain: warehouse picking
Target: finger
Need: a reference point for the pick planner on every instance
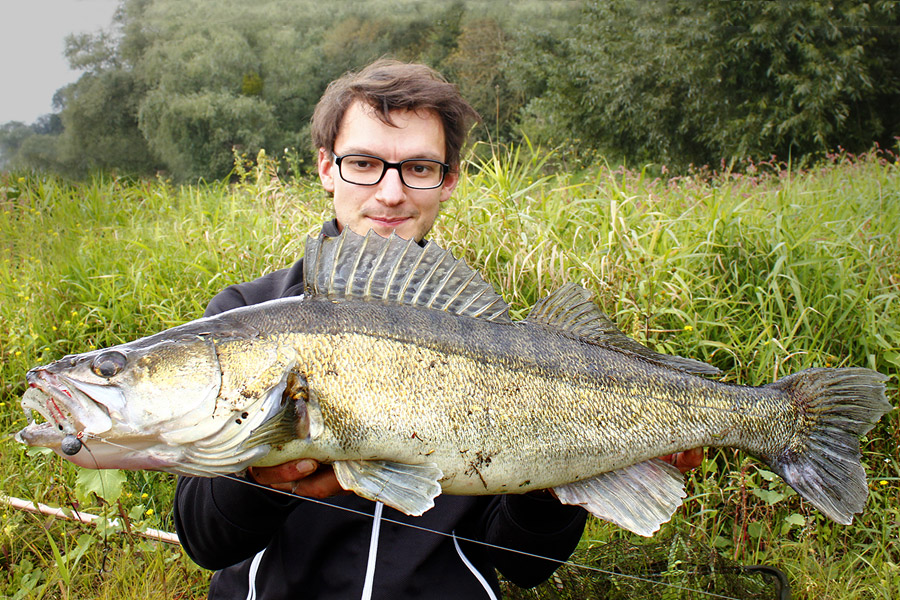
(689, 459)
(321, 484)
(284, 473)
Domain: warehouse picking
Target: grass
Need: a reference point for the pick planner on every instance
(760, 273)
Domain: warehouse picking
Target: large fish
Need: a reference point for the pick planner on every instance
(401, 366)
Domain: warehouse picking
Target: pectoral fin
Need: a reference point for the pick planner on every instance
(638, 498)
(411, 489)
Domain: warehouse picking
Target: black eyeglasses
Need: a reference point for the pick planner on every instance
(415, 173)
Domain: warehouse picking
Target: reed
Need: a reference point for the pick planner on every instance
(762, 272)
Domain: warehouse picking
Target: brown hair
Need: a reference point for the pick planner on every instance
(388, 85)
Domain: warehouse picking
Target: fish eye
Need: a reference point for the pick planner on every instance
(108, 363)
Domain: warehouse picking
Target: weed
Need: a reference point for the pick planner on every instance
(761, 273)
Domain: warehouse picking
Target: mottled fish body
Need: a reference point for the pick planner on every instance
(400, 366)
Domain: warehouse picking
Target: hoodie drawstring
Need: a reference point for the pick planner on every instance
(373, 552)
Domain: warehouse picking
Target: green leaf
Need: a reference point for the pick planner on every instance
(61, 564)
(136, 513)
(104, 483)
(892, 357)
(755, 529)
(767, 475)
(770, 497)
(34, 451)
(795, 520)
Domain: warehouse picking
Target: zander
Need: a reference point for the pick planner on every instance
(401, 366)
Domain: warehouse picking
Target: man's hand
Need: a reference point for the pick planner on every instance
(685, 461)
(304, 477)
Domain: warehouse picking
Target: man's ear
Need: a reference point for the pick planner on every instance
(327, 170)
(450, 181)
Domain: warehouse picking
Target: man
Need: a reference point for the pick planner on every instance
(389, 141)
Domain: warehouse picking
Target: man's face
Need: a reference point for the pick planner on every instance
(389, 206)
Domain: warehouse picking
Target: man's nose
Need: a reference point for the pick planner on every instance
(391, 190)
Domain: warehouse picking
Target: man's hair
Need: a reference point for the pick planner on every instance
(387, 85)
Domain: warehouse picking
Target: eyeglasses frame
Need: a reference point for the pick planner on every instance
(445, 168)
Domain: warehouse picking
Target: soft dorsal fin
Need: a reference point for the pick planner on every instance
(396, 270)
(569, 308)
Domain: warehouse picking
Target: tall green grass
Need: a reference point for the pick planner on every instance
(761, 273)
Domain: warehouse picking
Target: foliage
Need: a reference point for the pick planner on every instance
(196, 134)
(22, 145)
(761, 273)
(101, 125)
(696, 82)
(179, 85)
(473, 66)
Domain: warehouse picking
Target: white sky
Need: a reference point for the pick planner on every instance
(32, 65)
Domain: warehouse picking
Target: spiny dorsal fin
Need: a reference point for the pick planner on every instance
(569, 308)
(399, 271)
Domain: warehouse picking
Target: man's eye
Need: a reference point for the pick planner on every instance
(362, 164)
(420, 168)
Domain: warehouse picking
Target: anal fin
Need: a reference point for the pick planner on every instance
(570, 311)
(638, 498)
(411, 489)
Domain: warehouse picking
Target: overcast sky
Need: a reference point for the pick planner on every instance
(32, 65)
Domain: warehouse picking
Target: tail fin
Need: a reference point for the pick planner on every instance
(823, 464)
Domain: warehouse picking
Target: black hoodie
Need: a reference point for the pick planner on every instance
(268, 545)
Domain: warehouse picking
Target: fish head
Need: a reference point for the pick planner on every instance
(128, 396)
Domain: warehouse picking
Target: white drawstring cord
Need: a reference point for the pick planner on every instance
(373, 552)
(251, 576)
(471, 567)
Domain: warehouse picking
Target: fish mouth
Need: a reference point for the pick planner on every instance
(66, 405)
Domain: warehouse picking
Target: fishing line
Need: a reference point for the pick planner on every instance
(474, 541)
(442, 533)
(102, 568)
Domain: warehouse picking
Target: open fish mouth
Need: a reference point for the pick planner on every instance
(72, 417)
(67, 407)
(55, 428)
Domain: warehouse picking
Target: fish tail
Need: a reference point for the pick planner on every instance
(822, 461)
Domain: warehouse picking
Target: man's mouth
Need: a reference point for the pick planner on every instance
(389, 221)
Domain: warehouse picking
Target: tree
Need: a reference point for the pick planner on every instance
(693, 82)
(177, 83)
(100, 125)
(197, 134)
(475, 65)
(12, 135)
